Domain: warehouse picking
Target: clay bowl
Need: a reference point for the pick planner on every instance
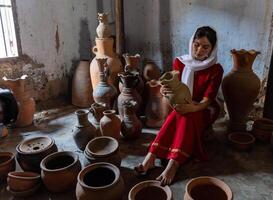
(23, 181)
(261, 134)
(206, 187)
(150, 190)
(31, 152)
(264, 124)
(241, 140)
(7, 164)
(26, 193)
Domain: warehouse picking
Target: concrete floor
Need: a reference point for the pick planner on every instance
(249, 174)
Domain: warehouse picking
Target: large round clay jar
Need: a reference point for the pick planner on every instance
(7, 164)
(207, 188)
(30, 152)
(150, 190)
(60, 170)
(100, 181)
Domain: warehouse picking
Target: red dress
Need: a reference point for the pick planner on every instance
(180, 137)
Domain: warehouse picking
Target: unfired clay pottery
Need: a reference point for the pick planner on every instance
(25, 102)
(110, 124)
(240, 88)
(103, 30)
(7, 164)
(97, 113)
(83, 131)
(104, 93)
(151, 71)
(100, 181)
(150, 190)
(104, 49)
(157, 107)
(180, 91)
(242, 141)
(262, 129)
(30, 152)
(81, 85)
(207, 188)
(131, 126)
(60, 170)
(102, 149)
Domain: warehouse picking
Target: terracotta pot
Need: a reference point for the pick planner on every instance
(81, 85)
(110, 124)
(3, 131)
(241, 140)
(150, 190)
(103, 30)
(207, 188)
(26, 193)
(30, 152)
(104, 93)
(83, 131)
(157, 107)
(23, 181)
(131, 126)
(261, 135)
(100, 181)
(240, 88)
(102, 149)
(180, 91)
(60, 170)
(104, 49)
(264, 124)
(97, 113)
(8, 109)
(25, 102)
(7, 164)
(129, 81)
(151, 71)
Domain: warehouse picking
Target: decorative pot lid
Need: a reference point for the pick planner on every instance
(35, 145)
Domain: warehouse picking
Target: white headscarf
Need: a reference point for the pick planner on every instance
(192, 65)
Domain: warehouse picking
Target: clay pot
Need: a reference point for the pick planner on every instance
(3, 131)
(131, 126)
(103, 30)
(102, 149)
(30, 152)
(7, 164)
(81, 85)
(262, 129)
(180, 91)
(26, 103)
(150, 190)
(25, 193)
(129, 81)
(157, 107)
(104, 93)
(97, 113)
(110, 124)
(151, 71)
(60, 170)
(207, 188)
(83, 131)
(104, 49)
(241, 140)
(23, 181)
(8, 108)
(100, 181)
(240, 88)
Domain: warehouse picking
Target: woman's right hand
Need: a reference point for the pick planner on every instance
(166, 90)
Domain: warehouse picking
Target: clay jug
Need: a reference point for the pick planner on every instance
(110, 124)
(104, 93)
(83, 131)
(129, 81)
(240, 88)
(157, 107)
(25, 102)
(131, 126)
(103, 30)
(104, 49)
(151, 71)
(180, 93)
(96, 111)
(81, 85)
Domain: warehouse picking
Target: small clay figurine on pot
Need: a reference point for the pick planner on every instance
(103, 30)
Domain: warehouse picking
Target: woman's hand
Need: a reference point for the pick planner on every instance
(185, 108)
(166, 90)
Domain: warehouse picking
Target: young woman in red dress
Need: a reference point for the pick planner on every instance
(181, 135)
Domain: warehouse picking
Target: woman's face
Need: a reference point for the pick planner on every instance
(201, 48)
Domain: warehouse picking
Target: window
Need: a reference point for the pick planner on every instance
(8, 42)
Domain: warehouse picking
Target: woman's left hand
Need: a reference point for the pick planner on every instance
(185, 108)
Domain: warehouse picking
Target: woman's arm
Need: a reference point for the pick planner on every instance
(192, 107)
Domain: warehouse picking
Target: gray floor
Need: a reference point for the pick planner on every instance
(249, 174)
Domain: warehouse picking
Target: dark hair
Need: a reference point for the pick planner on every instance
(206, 31)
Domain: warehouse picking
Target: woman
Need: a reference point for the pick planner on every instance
(180, 137)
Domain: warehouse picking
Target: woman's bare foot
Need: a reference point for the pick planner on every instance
(148, 163)
(167, 176)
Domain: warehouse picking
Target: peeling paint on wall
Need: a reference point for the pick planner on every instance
(57, 40)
